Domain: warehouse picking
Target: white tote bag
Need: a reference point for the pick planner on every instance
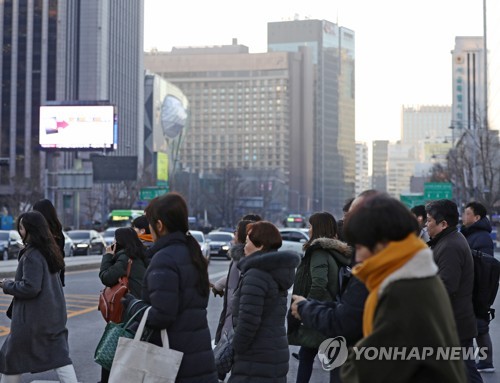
(137, 361)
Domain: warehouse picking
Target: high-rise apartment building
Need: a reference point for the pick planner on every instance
(333, 61)
(379, 165)
(251, 112)
(362, 178)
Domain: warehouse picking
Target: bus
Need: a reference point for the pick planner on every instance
(295, 220)
(123, 217)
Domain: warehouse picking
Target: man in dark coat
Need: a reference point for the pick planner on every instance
(456, 269)
(476, 229)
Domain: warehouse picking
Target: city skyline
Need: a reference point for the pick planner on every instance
(409, 45)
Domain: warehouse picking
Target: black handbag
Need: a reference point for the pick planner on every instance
(106, 348)
(224, 353)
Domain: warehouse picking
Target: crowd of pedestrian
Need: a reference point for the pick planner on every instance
(383, 277)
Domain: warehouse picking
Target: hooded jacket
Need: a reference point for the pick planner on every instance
(260, 343)
(317, 278)
(478, 236)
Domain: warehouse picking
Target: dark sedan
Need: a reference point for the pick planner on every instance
(87, 242)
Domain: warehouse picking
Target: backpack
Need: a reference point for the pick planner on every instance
(486, 279)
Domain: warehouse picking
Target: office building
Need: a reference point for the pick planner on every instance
(333, 58)
(469, 93)
(65, 51)
(362, 179)
(425, 122)
(379, 165)
(251, 112)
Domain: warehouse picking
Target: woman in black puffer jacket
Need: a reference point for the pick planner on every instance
(260, 342)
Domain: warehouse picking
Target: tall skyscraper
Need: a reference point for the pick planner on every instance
(468, 107)
(65, 51)
(333, 61)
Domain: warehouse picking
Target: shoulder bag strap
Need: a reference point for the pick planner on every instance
(124, 280)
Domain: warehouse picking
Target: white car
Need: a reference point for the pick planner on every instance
(69, 245)
(204, 243)
(293, 239)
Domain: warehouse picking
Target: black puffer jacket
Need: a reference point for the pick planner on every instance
(260, 342)
(478, 236)
(170, 287)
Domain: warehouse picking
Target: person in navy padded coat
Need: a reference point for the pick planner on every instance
(176, 286)
(259, 307)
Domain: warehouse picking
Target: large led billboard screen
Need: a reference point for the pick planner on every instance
(82, 127)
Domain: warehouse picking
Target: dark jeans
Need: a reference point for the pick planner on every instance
(306, 361)
(473, 375)
(483, 339)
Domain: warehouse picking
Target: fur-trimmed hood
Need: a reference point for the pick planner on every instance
(236, 252)
(341, 251)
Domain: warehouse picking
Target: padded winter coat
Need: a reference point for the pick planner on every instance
(260, 343)
(478, 236)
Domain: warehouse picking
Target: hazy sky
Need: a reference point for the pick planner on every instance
(402, 46)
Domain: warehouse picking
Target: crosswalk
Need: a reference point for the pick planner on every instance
(76, 304)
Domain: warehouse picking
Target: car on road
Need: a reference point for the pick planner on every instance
(10, 244)
(109, 235)
(69, 245)
(87, 242)
(204, 243)
(220, 243)
(293, 239)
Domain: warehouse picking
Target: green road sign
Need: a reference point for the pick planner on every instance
(147, 194)
(411, 200)
(438, 190)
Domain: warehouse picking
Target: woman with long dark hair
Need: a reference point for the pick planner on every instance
(127, 247)
(176, 286)
(47, 209)
(38, 339)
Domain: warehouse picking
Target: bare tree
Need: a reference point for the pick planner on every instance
(25, 192)
(474, 167)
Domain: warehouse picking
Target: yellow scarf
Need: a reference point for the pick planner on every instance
(373, 271)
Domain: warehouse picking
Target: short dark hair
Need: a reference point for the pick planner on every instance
(477, 208)
(241, 230)
(323, 225)
(443, 210)
(347, 205)
(379, 218)
(252, 217)
(264, 234)
(419, 211)
(141, 223)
